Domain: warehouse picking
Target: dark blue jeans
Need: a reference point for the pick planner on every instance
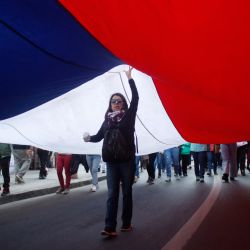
(210, 162)
(137, 161)
(199, 163)
(159, 162)
(119, 173)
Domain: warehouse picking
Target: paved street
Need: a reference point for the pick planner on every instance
(161, 211)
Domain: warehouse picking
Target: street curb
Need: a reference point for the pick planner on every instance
(45, 191)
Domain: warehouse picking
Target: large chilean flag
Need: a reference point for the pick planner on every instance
(197, 53)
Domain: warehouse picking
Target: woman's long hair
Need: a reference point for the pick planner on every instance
(124, 102)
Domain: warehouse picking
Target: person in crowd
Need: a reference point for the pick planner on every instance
(5, 154)
(185, 157)
(151, 168)
(241, 157)
(22, 159)
(248, 156)
(44, 157)
(144, 164)
(172, 157)
(210, 160)
(137, 167)
(63, 162)
(94, 163)
(144, 161)
(159, 163)
(199, 152)
(119, 119)
(217, 156)
(229, 161)
(76, 160)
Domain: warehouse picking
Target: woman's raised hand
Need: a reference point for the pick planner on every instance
(128, 72)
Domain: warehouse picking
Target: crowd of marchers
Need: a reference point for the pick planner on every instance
(66, 165)
(232, 159)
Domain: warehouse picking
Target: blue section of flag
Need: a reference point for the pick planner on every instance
(44, 52)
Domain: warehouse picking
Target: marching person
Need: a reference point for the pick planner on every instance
(119, 122)
(94, 163)
(22, 159)
(5, 154)
(229, 161)
(63, 162)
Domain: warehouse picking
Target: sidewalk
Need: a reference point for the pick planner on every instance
(34, 187)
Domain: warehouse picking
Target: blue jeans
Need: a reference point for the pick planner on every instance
(210, 162)
(137, 161)
(172, 157)
(159, 162)
(199, 163)
(119, 173)
(93, 163)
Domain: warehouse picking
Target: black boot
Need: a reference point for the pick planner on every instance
(225, 177)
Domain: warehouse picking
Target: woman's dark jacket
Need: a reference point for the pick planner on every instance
(127, 124)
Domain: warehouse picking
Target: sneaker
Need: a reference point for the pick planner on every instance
(60, 190)
(168, 179)
(66, 191)
(201, 180)
(93, 188)
(42, 177)
(232, 179)
(209, 174)
(108, 232)
(5, 192)
(127, 229)
(197, 178)
(19, 179)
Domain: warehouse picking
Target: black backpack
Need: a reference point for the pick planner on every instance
(115, 147)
